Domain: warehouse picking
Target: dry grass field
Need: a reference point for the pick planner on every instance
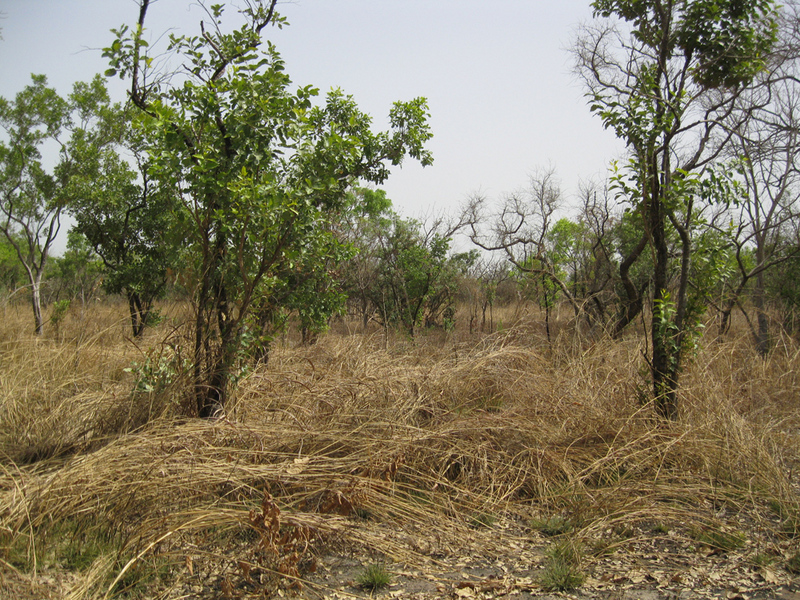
(450, 466)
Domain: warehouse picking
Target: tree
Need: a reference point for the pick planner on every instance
(415, 276)
(764, 154)
(361, 229)
(520, 229)
(484, 278)
(134, 224)
(567, 247)
(31, 199)
(600, 262)
(665, 75)
(12, 274)
(783, 285)
(259, 168)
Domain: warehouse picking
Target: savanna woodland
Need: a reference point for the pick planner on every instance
(249, 376)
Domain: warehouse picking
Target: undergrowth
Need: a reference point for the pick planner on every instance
(451, 438)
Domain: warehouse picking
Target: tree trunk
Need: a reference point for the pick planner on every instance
(364, 313)
(725, 320)
(666, 347)
(546, 311)
(36, 303)
(138, 314)
(762, 332)
(631, 306)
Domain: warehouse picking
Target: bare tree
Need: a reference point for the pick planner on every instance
(600, 264)
(485, 276)
(519, 228)
(765, 148)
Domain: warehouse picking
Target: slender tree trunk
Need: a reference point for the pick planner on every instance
(725, 313)
(546, 310)
(364, 313)
(762, 332)
(36, 303)
(725, 319)
(201, 342)
(138, 313)
(634, 298)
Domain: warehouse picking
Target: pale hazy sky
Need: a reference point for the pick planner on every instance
(497, 76)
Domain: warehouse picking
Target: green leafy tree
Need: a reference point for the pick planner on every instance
(416, 278)
(361, 229)
(132, 222)
(30, 195)
(634, 273)
(12, 274)
(259, 168)
(567, 246)
(665, 75)
(309, 287)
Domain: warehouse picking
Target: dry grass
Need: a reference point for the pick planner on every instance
(407, 451)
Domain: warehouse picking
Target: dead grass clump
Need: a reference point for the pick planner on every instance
(61, 396)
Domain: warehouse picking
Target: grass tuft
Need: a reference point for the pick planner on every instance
(374, 577)
(717, 539)
(552, 526)
(562, 571)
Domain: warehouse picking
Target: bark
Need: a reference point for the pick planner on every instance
(139, 310)
(762, 332)
(634, 300)
(36, 303)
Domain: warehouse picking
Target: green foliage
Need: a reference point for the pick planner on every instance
(374, 577)
(553, 525)
(160, 370)
(261, 171)
(684, 59)
(60, 308)
(71, 543)
(567, 248)
(562, 567)
(12, 273)
(30, 194)
(729, 39)
(134, 225)
(415, 276)
(626, 233)
(722, 541)
(661, 528)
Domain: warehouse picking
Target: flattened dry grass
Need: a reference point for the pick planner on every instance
(68, 390)
(388, 448)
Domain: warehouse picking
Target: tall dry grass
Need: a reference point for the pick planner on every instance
(404, 449)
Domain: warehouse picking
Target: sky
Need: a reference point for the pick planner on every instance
(498, 77)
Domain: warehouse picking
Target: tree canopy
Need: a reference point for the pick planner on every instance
(257, 165)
